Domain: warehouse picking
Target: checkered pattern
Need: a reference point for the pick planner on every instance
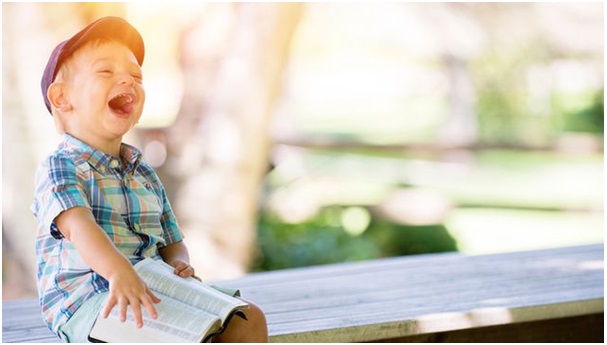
(129, 204)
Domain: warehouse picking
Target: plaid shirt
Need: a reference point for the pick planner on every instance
(129, 204)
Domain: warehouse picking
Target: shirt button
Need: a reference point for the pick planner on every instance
(102, 168)
(136, 226)
(114, 163)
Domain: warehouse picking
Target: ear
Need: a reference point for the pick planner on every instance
(57, 96)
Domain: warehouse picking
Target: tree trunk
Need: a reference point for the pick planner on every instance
(218, 148)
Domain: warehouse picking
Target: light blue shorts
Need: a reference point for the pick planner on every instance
(78, 327)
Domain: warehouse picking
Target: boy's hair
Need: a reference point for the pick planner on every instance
(104, 29)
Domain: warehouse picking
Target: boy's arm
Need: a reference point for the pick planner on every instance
(176, 254)
(78, 226)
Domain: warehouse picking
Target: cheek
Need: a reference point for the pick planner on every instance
(92, 96)
(141, 95)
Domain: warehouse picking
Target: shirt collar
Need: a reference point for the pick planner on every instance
(101, 161)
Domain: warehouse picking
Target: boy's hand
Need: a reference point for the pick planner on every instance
(176, 255)
(127, 288)
(183, 269)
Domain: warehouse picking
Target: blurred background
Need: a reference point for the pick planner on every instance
(296, 134)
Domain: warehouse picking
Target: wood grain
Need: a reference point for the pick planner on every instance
(433, 297)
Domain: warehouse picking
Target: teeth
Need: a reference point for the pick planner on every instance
(122, 100)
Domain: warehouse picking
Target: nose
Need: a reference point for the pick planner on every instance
(126, 79)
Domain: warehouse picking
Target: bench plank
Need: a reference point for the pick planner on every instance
(396, 298)
(22, 322)
(545, 331)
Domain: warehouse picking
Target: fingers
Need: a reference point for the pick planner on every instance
(149, 306)
(147, 301)
(111, 302)
(154, 298)
(184, 270)
(187, 272)
(123, 303)
(136, 306)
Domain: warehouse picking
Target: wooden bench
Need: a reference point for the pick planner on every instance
(546, 295)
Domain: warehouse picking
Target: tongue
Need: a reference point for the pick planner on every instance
(121, 104)
(126, 108)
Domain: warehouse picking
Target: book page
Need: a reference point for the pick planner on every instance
(176, 322)
(159, 276)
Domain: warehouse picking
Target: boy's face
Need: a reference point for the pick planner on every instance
(104, 88)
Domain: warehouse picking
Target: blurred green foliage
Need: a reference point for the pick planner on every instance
(589, 117)
(532, 206)
(501, 96)
(323, 240)
(518, 101)
(511, 109)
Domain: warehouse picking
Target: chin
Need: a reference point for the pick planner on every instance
(131, 117)
(120, 127)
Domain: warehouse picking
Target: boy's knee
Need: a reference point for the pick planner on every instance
(255, 315)
(254, 329)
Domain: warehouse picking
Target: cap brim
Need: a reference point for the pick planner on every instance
(113, 28)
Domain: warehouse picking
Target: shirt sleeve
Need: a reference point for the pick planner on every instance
(57, 189)
(168, 221)
(171, 231)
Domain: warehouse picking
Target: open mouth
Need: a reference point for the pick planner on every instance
(122, 104)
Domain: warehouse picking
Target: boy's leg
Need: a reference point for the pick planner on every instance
(252, 330)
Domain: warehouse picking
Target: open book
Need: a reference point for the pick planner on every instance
(190, 311)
